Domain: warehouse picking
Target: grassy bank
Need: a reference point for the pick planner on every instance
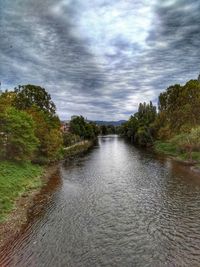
(170, 149)
(166, 148)
(15, 180)
(77, 149)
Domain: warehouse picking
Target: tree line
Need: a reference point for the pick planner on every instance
(176, 121)
(30, 128)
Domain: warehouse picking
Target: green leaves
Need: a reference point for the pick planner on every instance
(32, 95)
(140, 126)
(85, 130)
(181, 106)
(17, 138)
(28, 125)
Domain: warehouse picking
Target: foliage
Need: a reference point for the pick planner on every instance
(139, 128)
(77, 126)
(7, 99)
(17, 138)
(32, 95)
(108, 129)
(48, 133)
(35, 103)
(85, 130)
(53, 144)
(15, 179)
(185, 145)
(180, 106)
(70, 139)
(166, 148)
(188, 142)
(178, 113)
(77, 149)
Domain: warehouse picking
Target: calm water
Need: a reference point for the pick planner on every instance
(116, 206)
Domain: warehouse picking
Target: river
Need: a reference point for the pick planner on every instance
(116, 206)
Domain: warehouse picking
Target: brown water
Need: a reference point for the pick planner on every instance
(117, 206)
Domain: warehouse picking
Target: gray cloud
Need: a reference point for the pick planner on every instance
(99, 58)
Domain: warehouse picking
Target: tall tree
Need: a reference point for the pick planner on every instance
(17, 137)
(180, 107)
(32, 95)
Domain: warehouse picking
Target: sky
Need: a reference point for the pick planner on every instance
(99, 58)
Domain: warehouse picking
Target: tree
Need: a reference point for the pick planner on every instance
(6, 100)
(89, 131)
(140, 126)
(70, 139)
(46, 130)
(85, 130)
(77, 126)
(104, 129)
(32, 95)
(53, 144)
(180, 107)
(17, 138)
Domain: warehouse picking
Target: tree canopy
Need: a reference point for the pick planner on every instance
(28, 117)
(86, 130)
(17, 138)
(177, 116)
(31, 95)
(140, 125)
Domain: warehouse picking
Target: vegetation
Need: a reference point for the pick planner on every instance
(175, 128)
(15, 179)
(86, 130)
(29, 95)
(70, 139)
(140, 127)
(77, 149)
(29, 127)
(30, 133)
(108, 129)
(17, 138)
(31, 130)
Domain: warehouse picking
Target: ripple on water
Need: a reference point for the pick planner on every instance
(118, 206)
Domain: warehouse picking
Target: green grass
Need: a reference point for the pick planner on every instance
(16, 179)
(196, 156)
(166, 148)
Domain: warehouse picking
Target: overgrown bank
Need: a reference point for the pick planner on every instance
(77, 149)
(172, 150)
(20, 183)
(31, 139)
(174, 128)
(20, 178)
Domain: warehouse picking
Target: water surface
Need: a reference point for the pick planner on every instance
(117, 206)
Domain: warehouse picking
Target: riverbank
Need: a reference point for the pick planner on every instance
(16, 179)
(20, 184)
(77, 149)
(168, 149)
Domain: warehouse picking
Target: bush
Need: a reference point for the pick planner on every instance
(70, 139)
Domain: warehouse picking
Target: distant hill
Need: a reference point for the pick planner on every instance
(114, 123)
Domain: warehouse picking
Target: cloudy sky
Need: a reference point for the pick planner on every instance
(99, 58)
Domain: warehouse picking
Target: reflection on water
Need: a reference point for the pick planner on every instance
(117, 206)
